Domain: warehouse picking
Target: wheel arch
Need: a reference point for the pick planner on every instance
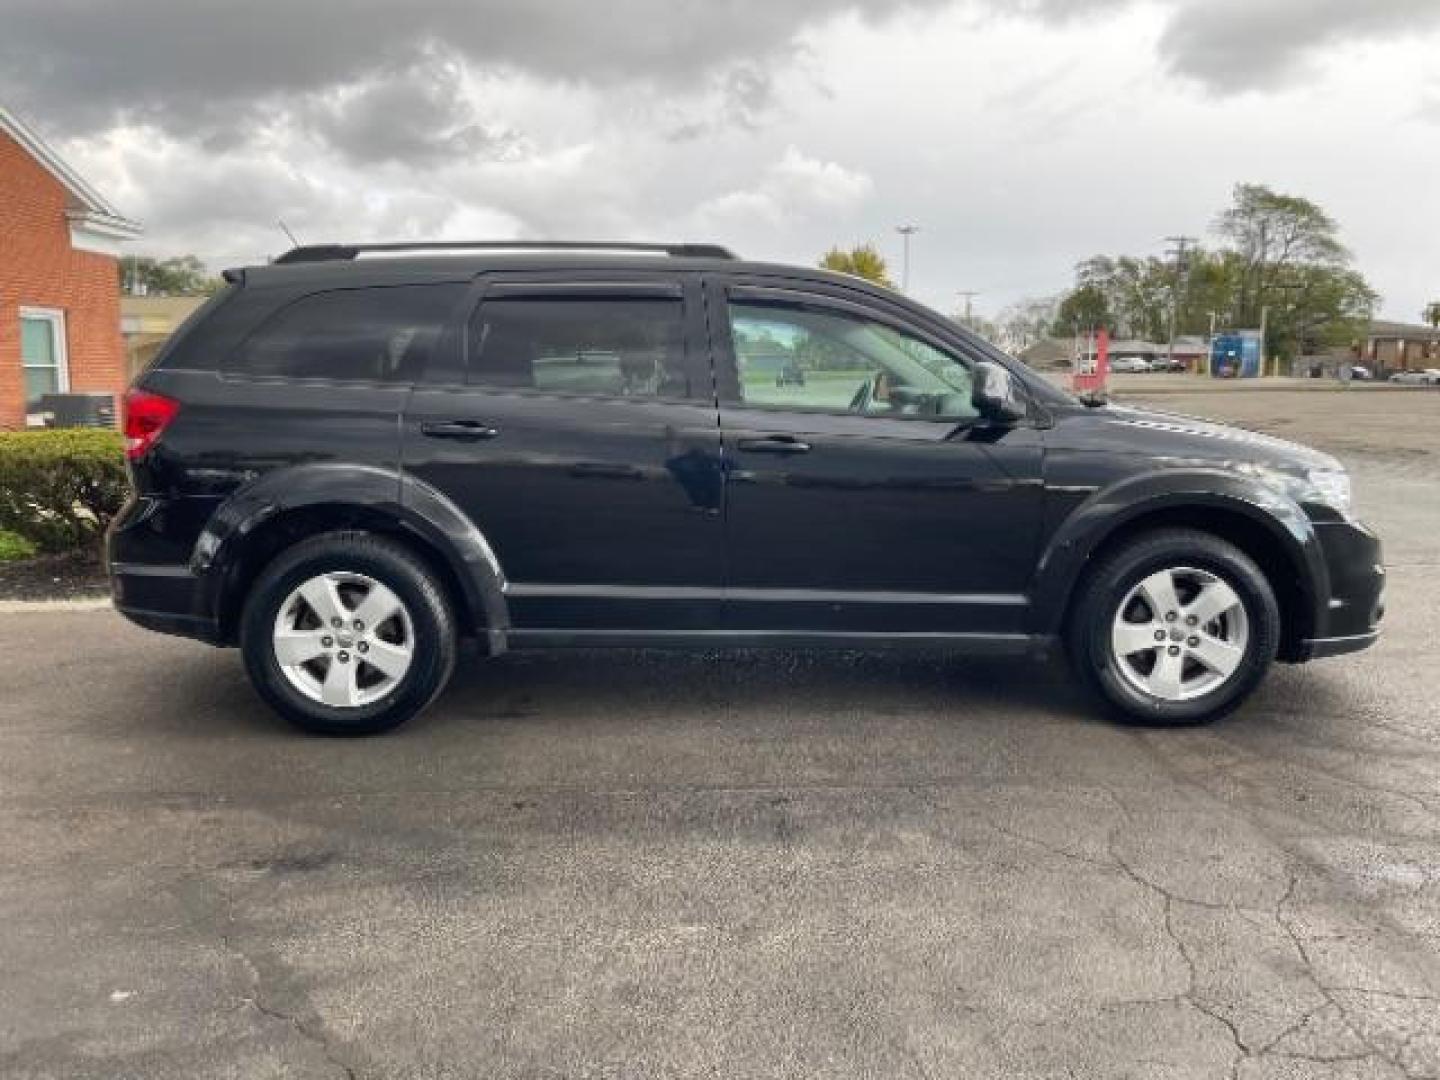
(289, 505)
(1271, 530)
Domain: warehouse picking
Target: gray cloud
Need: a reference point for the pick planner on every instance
(1235, 45)
(417, 115)
(192, 67)
(780, 127)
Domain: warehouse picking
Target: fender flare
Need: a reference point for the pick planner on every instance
(416, 507)
(1090, 525)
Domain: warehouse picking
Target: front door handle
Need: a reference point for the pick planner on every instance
(469, 430)
(775, 444)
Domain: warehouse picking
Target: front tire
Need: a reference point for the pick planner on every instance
(347, 633)
(1175, 627)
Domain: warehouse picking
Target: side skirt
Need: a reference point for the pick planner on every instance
(969, 644)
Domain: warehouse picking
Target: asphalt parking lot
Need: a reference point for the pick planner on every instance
(800, 865)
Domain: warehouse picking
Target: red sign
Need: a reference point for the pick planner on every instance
(1093, 368)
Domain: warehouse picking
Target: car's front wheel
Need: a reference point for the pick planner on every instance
(1175, 627)
(348, 633)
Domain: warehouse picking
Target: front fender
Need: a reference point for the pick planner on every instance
(1091, 524)
(413, 506)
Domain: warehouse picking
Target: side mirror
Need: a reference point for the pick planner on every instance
(996, 395)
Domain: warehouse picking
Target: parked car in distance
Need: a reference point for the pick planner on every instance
(1360, 373)
(345, 465)
(1426, 377)
(1131, 365)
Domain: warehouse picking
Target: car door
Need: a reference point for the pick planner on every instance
(863, 493)
(575, 424)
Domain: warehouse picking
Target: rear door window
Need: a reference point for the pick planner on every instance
(381, 334)
(608, 344)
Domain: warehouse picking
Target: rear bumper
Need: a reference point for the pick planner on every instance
(162, 597)
(151, 582)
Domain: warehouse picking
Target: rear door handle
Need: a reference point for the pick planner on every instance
(775, 444)
(470, 430)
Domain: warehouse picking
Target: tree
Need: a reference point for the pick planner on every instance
(1275, 233)
(182, 275)
(861, 261)
(1281, 257)
(1432, 314)
(1083, 309)
(1025, 322)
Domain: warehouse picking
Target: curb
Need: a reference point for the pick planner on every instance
(24, 607)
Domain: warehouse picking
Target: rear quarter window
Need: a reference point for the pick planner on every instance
(377, 334)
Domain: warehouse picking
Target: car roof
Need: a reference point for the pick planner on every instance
(429, 265)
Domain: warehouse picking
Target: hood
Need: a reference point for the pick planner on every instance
(1175, 436)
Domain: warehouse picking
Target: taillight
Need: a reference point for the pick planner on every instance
(146, 417)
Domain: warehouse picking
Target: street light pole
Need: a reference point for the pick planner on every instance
(906, 231)
(968, 295)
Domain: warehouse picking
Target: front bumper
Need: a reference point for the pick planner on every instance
(1349, 619)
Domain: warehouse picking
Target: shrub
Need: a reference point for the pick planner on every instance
(14, 547)
(60, 488)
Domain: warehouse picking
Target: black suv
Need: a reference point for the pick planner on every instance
(352, 458)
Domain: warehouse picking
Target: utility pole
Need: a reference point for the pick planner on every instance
(968, 295)
(906, 231)
(1182, 268)
(1264, 326)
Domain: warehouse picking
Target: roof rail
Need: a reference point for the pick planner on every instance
(334, 252)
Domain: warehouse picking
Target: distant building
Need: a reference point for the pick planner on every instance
(1392, 346)
(59, 283)
(146, 323)
(1058, 352)
(1049, 353)
(1386, 348)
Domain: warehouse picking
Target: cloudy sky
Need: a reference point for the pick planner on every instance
(1020, 135)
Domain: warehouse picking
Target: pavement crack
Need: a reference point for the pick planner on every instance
(1328, 992)
(1189, 995)
(257, 1000)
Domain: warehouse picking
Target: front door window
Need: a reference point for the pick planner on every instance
(793, 357)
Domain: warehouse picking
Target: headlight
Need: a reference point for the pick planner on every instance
(1327, 487)
(1332, 488)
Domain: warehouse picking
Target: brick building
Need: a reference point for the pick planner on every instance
(59, 289)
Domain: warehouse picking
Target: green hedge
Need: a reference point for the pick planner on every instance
(14, 548)
(60, 488)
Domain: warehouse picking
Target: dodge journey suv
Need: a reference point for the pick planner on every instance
(353, 458)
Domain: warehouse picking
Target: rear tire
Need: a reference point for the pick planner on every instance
(1175, 627)
(311, 654)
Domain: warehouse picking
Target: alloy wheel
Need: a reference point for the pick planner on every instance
(1179, 634)
(343, 639)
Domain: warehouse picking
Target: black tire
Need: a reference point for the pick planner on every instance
(385, 561)
(1110, 582)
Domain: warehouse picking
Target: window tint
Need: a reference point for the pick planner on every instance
(612, 345)
(379, 334)
(811, 358)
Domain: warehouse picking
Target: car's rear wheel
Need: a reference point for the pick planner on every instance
(348, 634)
(1175, 627)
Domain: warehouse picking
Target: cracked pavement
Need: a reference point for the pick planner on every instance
(798, 865)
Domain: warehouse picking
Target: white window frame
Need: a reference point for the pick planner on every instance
(56, 318)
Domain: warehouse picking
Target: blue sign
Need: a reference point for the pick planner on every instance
(1235, 356)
